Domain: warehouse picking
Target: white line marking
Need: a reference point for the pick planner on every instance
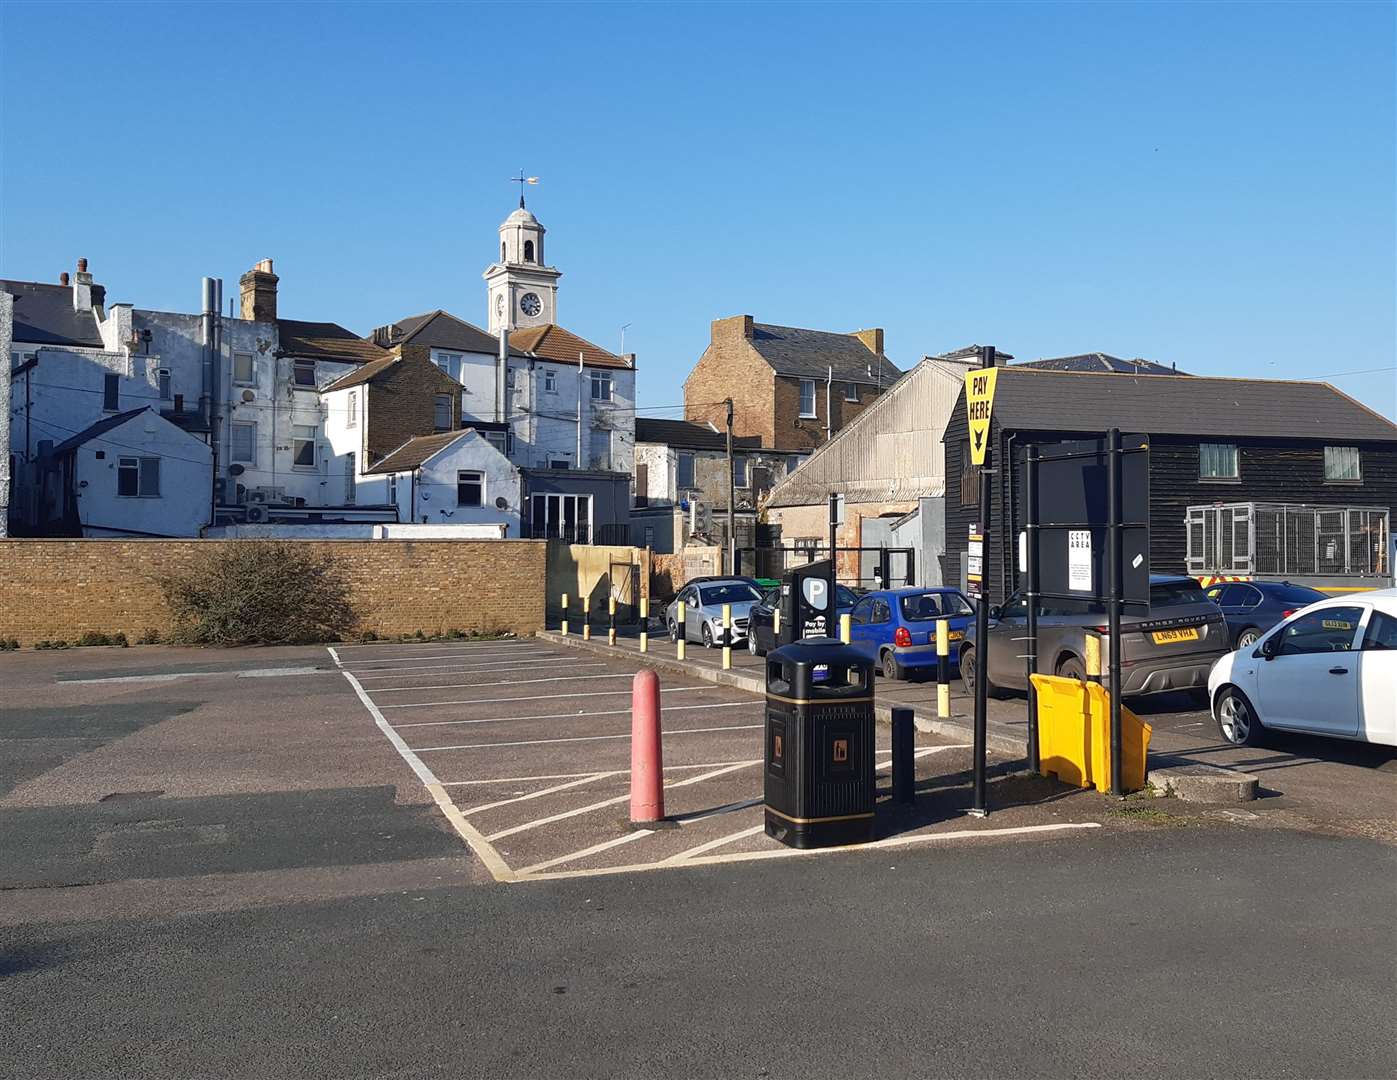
(624, 838)
(455, 665)
(491, 859)
(785, 852)
(496, 644)
(575, 775)
(501, 682)
(539, 794)
(691, 852)
(578, 738)
(532, 697)
(276, 672)
(551, 716)
(608, 802)
(436, 654)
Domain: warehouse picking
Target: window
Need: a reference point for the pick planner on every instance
(138, 478)
(1174, 593)
(737, 592)
(242, 368)
(502, 251)
(352, 404)
(601, 448)
(559, 463)
(550, 381)
(450, 363)
(303, 446)
(792, 464)
(441, 416)
(739, 472)
(601, 386)
(560, 517)
(1341, 465)
(509, 378)
(1329, 629)
(928, 606)
(807, 398)
(470, 488)
(242, 439)
(162, 380)
(304, 374)
(111, 392)
(1217, 461)
(1382, 631)
(851, 391)
(861, 611)
(685, 473)
(495, 439)
(969, 477)
(528, 251)
(880, 613)
(393, 489)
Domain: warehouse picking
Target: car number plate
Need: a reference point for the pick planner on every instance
(955, 635)
(1166, 637)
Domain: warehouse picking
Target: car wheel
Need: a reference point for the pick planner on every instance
(752, 646)
(891, 668)
(673, 632)
(967, 675)
(1236, 719)
(707, 634)
(1072, 668)
(1248, 637)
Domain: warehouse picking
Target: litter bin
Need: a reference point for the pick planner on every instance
(819, 784)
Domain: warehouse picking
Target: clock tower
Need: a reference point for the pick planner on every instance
(523, 290)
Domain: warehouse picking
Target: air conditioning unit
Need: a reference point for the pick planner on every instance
(257, 495)
(256, 515)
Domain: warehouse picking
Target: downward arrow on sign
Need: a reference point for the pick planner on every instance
(979, 438)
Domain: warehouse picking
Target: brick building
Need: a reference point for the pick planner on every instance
(792, 388)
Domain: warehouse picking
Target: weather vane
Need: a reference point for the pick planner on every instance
(521, 180)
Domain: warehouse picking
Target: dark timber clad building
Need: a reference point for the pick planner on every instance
(1253, 477)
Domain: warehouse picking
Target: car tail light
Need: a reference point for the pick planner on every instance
(1288, 612)
(902, 636)
(1102, 629)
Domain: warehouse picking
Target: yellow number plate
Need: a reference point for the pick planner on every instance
(955, 635)
(1166, 637)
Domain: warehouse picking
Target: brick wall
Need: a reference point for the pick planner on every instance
(730, 367)
(402, 402)
(59, 589)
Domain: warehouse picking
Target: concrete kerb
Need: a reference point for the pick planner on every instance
(997, 738)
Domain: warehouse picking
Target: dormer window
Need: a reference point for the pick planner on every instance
(528, 251)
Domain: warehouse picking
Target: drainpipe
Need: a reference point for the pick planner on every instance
(829, 405)
(206, 327)
(502, 378)
(579, 411)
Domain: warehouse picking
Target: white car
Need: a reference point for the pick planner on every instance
(1329, 669)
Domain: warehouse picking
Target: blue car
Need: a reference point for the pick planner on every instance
(896, 628)
(1253, 607)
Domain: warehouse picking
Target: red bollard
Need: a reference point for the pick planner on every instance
(647, 767)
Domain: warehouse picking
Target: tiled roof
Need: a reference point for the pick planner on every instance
(44, 315)
(107, 423)
(1099, 362)
(689, 436)
(366, 373)
(325, 341)
(1032, 399)
(439, 330)
(417, 450)
(809, 354)
(968, 352)
(552, 342)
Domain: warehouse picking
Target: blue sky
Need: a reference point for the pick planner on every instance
(1205, 184)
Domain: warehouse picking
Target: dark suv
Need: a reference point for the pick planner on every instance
(1173, 647)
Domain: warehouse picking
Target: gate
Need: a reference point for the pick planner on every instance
(879, 567)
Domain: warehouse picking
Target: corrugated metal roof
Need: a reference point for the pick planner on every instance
(1031, 399)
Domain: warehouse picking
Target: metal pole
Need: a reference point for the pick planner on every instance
(904, 757)
(611, 620)
(982, 620)
(830, 606)
(943, 668)
(679, 644)
(1113, 554)
(565, 614)
(645, 624)
(1031, 595)
(732, 497)
(727, 637)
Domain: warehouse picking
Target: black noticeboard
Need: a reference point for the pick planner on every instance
(805, 602)
(1074, 523)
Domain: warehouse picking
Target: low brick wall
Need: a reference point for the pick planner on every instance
(60, 589)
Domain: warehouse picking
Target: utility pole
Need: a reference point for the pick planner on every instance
(732, 496)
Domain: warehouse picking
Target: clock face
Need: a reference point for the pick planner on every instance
(530, 304)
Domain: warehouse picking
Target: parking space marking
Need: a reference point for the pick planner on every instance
(532, 697)
(575, 775)
(548, 716)
(437, 654)
(624, 838)
(578, 738)
(701, 848)
(387, 672)
(540, 794)
(499, 682)
(612, 802)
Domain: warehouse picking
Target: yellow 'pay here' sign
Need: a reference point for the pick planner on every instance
(979, 401)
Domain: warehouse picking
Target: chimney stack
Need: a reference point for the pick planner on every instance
(258, 288)
(82, 288)
(63, 278)
(735, 324)
(872, 339)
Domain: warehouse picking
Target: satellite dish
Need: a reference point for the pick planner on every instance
(236, 470)
(501, 503)
(248, 395)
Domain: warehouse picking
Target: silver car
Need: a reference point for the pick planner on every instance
(703, 610)
(1172, 647)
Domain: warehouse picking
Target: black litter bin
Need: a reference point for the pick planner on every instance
(819, 786)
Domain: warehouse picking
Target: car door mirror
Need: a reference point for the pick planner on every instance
(1267, 649)
(996, 612)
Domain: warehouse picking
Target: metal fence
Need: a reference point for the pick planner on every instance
(879, 567)
(1288, 539)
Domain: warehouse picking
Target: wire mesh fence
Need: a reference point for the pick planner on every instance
(1288, 539)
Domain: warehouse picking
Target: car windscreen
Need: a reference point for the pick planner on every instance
(1299, 594)
(738, 592)
(847, 596)
(1174, 593)
(934, 606)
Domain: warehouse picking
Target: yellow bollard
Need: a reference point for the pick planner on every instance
(776, 623)
(565, 614)
(943, 668)
(645, 624)
(680, 642)
(587, 618)
(846, 633)
(611, 620)
(1093, 657)
(727, 636)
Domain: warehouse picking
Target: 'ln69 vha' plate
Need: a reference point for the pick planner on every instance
(1167, 637)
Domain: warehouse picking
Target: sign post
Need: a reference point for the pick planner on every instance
(836, 519)
(979, 406)
(1030, 566)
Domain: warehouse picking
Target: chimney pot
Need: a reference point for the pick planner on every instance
(82, 266)
(63, 278)
(258, 292)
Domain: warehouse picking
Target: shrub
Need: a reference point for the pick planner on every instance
(9, 644)
(119, 639)
(251, 592)
(150, 637)
(92, 637)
